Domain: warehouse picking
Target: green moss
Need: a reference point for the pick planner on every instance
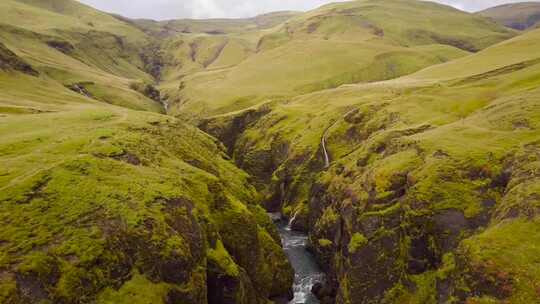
(325, 243)
(483, 300)
(8, 290)
(221, 257)
(448, 266)
(424, 291)
(329, 217)
(386, 211)
(287, 211)
(274, 273)
(138, 290)
(509, 249)
(358, 241)
(98, 215)
(38, 263)
(74, 283)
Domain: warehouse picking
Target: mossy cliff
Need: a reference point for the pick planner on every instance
(432, 194)
(131, 208)
(102, 200)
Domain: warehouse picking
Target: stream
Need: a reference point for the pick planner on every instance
(307, 272)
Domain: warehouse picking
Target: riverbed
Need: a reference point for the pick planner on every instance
(307, 272)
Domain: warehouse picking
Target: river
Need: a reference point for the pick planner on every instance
(307, 272)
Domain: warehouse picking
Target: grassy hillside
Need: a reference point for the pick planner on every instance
(429, 117)
(359, 41)
(519, 16)
(80, 48)
(431, 196)
(491, 62)
(103, 199)
(96, 198)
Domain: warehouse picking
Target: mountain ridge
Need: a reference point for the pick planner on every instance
(520, 16)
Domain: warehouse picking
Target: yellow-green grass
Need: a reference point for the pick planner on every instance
(48, 16)
(81, 169)
(520, 49)
(353, 42)
(79, 47)
(411, 22)
(509, 249)
(77, 174)
(309, 65)
(447, 134)
(469, 110)
(139, 290)
(215, 27)
(104, 80)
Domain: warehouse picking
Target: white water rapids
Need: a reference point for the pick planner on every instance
(307, 272)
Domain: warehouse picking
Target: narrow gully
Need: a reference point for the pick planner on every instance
(306, 271)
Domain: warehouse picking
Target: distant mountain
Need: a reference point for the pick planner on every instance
(223, 26)
(341, 43)
(519, 16)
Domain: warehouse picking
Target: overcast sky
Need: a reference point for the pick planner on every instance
(173, 9)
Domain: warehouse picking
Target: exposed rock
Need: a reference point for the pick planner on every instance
(80, 88)
(147, 90)
(61, 46)
(229, 129)
(9, 61)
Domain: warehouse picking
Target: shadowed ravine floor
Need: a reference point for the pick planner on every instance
(307, 272)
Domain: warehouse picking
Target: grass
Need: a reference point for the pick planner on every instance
(431, 125)
(427, 145)
(360, 41)
(510, 248)
(100, 193)
(520, 16)
(357, 242)
(41, 17)
(80, 179)
(138, 290)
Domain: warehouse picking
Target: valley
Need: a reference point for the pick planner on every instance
(140, 159)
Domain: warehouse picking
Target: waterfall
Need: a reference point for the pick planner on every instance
(291, 221)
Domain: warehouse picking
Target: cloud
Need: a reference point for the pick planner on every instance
(174, 9)
(477, 5)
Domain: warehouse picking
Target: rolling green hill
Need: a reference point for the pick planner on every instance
(519, 16)
(360, 41)
(79, 48)
(402, 136)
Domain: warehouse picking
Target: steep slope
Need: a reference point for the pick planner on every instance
(519, 16)
(359, 41)
(432, 192)
(101, 202)
(489, 63)
(110, 205)
(81, 48)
